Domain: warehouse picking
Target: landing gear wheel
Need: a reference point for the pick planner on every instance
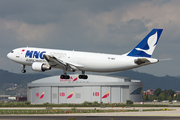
(64, 76)
(83, 77)
(23, 71)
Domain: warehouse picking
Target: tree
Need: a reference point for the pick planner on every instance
(157, 91)
(170, 92)
(178, 97)
(150, 97)
(169, 98)
(162, 96)
(145, 97)
(155, 97)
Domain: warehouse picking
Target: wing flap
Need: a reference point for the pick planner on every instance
(67, 65)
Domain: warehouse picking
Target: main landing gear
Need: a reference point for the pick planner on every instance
(83, 76)
(23, 70)
(65, 76)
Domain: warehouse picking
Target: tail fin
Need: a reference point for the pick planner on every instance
(146, 47)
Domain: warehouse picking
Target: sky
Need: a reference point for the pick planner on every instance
(103, 26)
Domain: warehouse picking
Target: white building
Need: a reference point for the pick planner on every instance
(96, 88)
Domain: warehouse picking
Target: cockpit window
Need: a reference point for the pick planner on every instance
(12, 51)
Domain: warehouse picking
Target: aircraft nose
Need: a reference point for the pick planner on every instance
(8, 55)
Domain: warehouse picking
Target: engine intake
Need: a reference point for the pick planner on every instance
(37, 66)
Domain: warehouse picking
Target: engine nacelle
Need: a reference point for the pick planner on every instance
(41, 67)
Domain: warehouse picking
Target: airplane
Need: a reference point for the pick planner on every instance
(42, 59)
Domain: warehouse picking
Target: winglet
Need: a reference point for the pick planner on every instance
(146, 47)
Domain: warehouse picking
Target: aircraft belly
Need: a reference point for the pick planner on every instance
(111, 66)
(101, 66)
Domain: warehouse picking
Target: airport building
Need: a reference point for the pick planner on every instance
(98, 88)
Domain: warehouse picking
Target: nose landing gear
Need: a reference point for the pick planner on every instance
(23, 70)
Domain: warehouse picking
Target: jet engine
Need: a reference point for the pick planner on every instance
(41, 67)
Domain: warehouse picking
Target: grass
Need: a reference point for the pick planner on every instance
(85, 104)
(69, 111)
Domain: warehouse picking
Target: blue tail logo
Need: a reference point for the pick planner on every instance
(146, 47)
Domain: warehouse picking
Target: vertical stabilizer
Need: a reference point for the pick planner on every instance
(146, 47)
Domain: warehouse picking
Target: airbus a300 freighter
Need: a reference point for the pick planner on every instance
(41, 59)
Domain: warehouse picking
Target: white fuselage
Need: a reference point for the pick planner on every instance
(86, 61)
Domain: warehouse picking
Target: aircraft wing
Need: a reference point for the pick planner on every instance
(56, 61)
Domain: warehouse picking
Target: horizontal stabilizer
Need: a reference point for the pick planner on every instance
(141, 61)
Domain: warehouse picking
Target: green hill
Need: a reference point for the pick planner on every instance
(7, 77)
(151, 81)
(16, 84)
